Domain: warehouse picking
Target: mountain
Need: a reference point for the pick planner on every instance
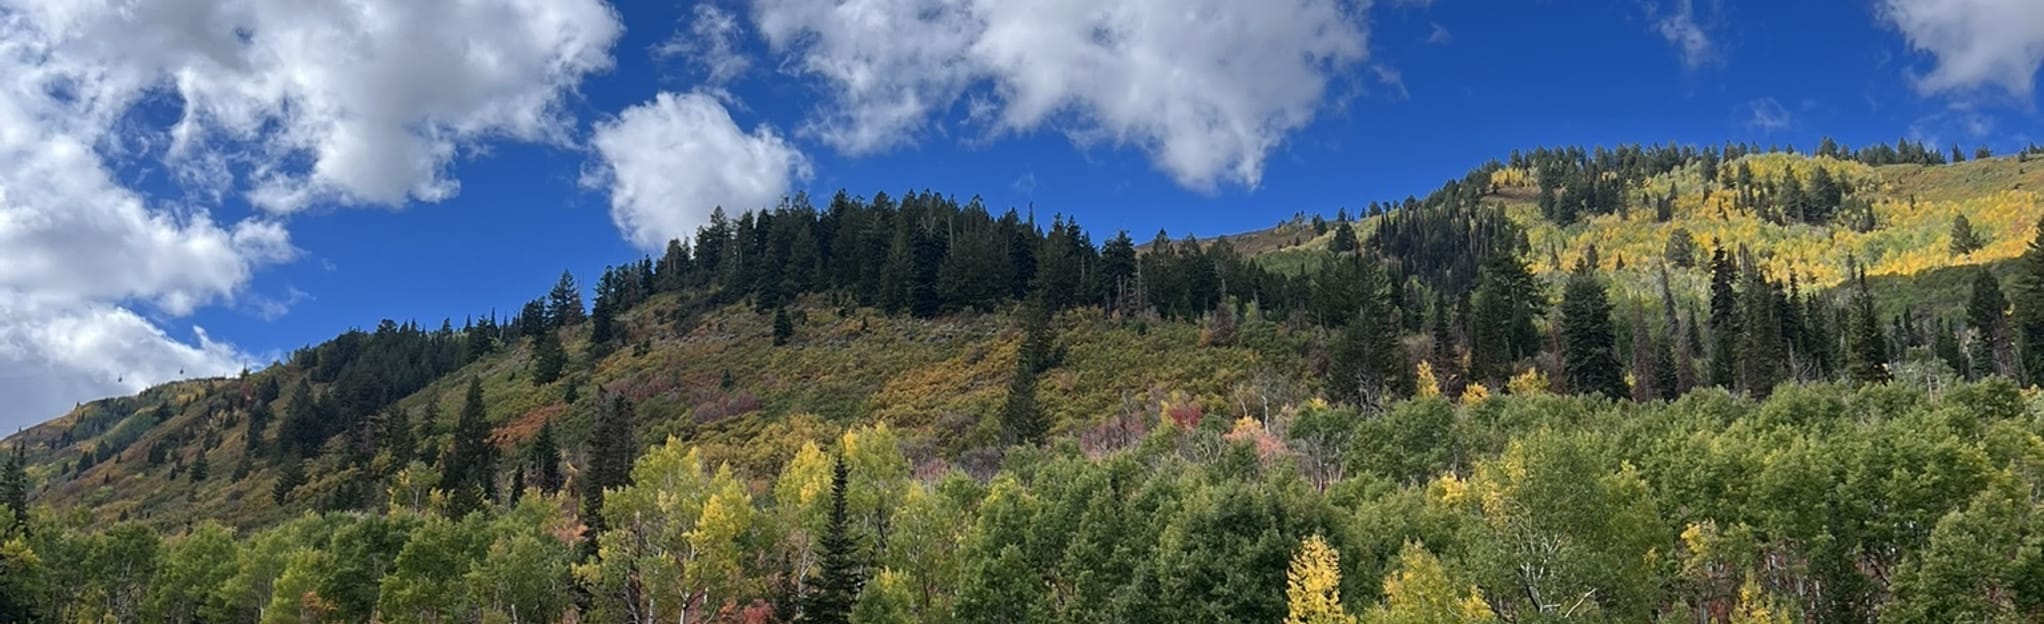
(698, 359)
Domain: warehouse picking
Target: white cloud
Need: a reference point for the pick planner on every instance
(1206, 87)
(1440, 35)
(291, 103)
(1767, 115)
(711, 44)
(669, 162)
(1978, 43)
(1689, 38)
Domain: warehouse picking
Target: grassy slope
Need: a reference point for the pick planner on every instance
(939, 381)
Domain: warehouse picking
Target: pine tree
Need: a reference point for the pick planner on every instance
(1502, 310)
(1313, 585)
(1986, 316)
(543, 462)
(1021, 421)
(1964, 239)
(1724, 319)
(1866, 349)
(548, 358)
(1587, 341)
(612, 448)
(199, 470)
(784, 327)
(290, 475)
(2028, 317)
(14, 487)
(468, 474)
(564, 302)
(839, 573)
(1344, 239)
(1364, 362)
(1446, 358)
(1760, 342)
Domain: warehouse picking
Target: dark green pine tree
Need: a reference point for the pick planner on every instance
(1502, 310)
(1446, 356)
(1724, 319)
(1964, 239)
(612, 448)
(199, 470)
(564, 302)
(784, 327)
(14, 487)
(468, 474)
(1363, 362)
(1866, 348)
(839, 573)
(548, 358)
(1588, 356)
(290, 475)
(1344, 239)
(542, 468)
(2028, 318)
(1987, 318)
(1022, 422)
(1760, 344)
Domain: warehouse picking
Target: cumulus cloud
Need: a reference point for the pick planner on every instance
(1978, 43)
(668, 163)
(290, 104)
(1206, 87)
(711, 45)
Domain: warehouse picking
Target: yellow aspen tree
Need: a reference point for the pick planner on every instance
(1313, 586)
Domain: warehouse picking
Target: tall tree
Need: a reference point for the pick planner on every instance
(1866, 348)
(1987, 319)
(612, 447)
(1588, 345)
(840, 575)
(564, 302)
(1724, 319)
(468, 474)
(1365, 362)
(1502, 310)
(1344, 240)
(2028, 319)
(543, 462)
(1313, 585)
(1760, 339)
(1964, 239)
(548, 357)
(14, 488)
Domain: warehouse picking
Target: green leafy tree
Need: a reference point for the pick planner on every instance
(885, 600)
(194, 567)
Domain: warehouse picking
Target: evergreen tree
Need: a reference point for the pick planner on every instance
(1724, 319)
(468, 473)
(612, 448)
(290, 475)
(1587, 341)
(1866, 349)
(564, 302)
(2028, 317)
(784, 327)
(199, 470)
(1964, 239)
(1760, 341)
(1986, 316)
(1344, 239)
(543, 462)
(14, 488)
(1445, 358)
(548, 358)
(1681, 248)
(1502, 310)
(840, 575)
(1364, 362)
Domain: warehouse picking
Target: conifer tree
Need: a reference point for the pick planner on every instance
(1866, 349)
(1446, 358)
(543, 462)
(1964, 239)
(290, 475)
(2028, 318)
(199, 470)
(1501, 329)
(1760, 341)
(564, 302)
(612, 448)
(1344, 239)
(548, 358)
(1587, 341)
(1724, 319)
(840, 575)
(784, 327)
(14, 487)
(1986, 317)
(468, 474)
(1364, 363)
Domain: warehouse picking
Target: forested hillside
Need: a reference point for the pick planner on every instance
(1704, 384)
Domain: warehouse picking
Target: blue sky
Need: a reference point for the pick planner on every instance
(276, 175)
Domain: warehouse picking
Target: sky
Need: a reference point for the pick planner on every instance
(194, 187)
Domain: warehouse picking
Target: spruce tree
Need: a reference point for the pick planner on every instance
(564, 302)
(1724, 319)
(839, 573)
(1964, 239)
(543, 462)
(1866, 349)
(2028, 318)
(1986, 317)
(1344, 239)
(1587, 342)
(14, 487)
(290, 475)
(468, 474)
(612, 448)
(548, 358)
(1501, 329)
(1364, 363)
(1760, 341)
(784, 327)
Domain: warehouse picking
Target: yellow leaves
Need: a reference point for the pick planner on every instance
(1474, 393)
(1510, 177)
(1756, 607)
(1449, 489)
(1421, 592)
(1313, 585)
(1429, 386)
(1532, 382)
